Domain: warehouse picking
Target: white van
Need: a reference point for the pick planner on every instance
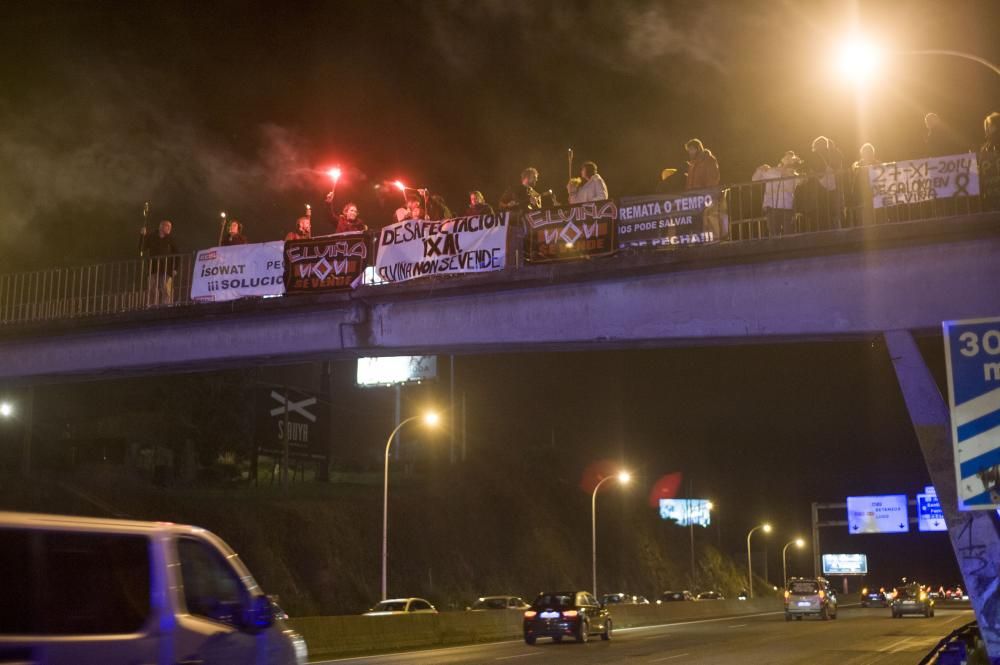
(88, 591)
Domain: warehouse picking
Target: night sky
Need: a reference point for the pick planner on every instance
(200, 107)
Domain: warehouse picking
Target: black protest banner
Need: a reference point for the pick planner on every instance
(667, 220)
(571, 232)
(328, 263)
(299, 416)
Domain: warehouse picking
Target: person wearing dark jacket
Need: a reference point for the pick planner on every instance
(478, 205)
(160, 250)
(939, 141)
(348, 220)
(703, 169)
(523, 196)
(303, 230)
(989, 162)
(235, 234)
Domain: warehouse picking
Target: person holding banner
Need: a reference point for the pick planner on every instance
(303, 230)
(590, 186)
(235, 234)
(415, 209)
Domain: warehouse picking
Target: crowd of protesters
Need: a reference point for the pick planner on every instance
(815, 191)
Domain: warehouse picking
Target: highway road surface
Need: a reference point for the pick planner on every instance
(857, 637)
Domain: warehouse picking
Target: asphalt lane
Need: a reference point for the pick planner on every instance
(856, 637)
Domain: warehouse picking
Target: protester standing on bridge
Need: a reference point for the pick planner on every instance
(989, 162)
(437, 207)
(590, 186)
(861, 209)
(939, 141)
(160, 249)
(703, 169)
(303, 229)
(415, 209)
(779, 193)
(523, 196)
(234, 236)
(478, 205)
(348, 220)
(820, 199)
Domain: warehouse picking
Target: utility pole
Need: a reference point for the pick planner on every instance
(28, 420)
(284, 445)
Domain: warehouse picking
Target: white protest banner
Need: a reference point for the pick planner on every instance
(237, 271)
(413, 248)
(927, 179)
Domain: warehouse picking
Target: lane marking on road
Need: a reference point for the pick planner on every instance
(676, 655)
(520, 655)
(739, 625)
(688, 623)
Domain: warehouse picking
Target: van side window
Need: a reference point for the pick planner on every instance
(211, 587)
(65, 583)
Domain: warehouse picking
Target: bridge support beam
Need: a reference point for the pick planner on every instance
(974, 534)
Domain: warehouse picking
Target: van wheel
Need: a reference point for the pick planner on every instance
(557, 638)
(798, 617)
(788, 617)
(529, 639)
(606, 635)
(583, 632)
(824, 614)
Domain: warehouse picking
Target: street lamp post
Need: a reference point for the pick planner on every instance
(798, 542)
(767, 529)
(623, 477)
(430, 419)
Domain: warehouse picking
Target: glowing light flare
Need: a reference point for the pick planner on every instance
(334, 174)
(399, 185)
(800, 543)
(858, 60)
(432, 418)
(624, 477)
(767, 528)
(6, 409)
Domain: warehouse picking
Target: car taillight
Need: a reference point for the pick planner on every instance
(570, 613)
(786, 594)
(530, 614)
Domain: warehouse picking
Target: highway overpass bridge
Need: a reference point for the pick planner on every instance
(844, 284)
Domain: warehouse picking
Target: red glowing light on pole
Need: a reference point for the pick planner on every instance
(334, 174)
(400, 186)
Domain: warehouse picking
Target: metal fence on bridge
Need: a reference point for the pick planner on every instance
(754, 210)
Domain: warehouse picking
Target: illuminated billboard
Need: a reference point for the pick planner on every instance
(395, 370)
(845, 564)
(687, 511)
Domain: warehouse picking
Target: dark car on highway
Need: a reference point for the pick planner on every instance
(912, 599)
(874, 598)
(674, 596)
(559, 614)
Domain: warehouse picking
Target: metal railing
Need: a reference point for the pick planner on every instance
(805, 204)
(754, 210)
(106, 288)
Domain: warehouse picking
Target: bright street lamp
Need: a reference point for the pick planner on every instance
(766, 528)
(623, 478)
(859, 60)
(430, 419)
(6, 409)
(798, 542)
